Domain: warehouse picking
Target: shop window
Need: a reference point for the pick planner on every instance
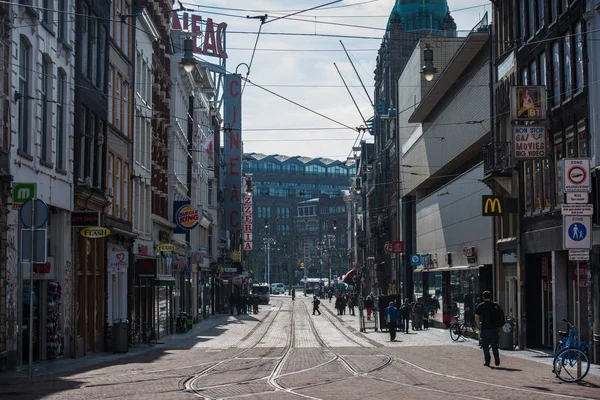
(528, 168)
(571, 142)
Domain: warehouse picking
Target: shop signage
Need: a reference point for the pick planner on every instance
(146, 267)
(415, 260)
(166, 247)
(528, 103)
(577, 232)
(23, 192)
(577, 197)
(94, 233)
(496, 205)
(118, 261)
(579, 255)
(247, 225)
(232, 157)
(186, 216)
(209, 38)
(576, 175)
(529, 142)
(82, 219)
(577, 209)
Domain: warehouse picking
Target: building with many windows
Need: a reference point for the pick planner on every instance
(299, 212)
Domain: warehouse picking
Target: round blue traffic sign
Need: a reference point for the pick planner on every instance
(577, 231)
(34, 213)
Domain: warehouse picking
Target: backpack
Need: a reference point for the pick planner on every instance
(498, 316)
(317, 302)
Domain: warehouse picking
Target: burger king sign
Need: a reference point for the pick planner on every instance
(187, 217)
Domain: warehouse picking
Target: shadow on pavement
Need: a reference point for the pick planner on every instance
(507, 369)
(53, 377)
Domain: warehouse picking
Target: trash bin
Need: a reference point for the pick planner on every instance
(505, 341)
(120, 337)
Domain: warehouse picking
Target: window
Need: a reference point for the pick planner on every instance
(523, 19)
(556, 84)
(118, 108)
(567, 65)
(572, 145)
(565, 5)
(90, 147)
(533, 72)
(99, 142)
(582, 138)
(524, 79)
(99, 81)
(558, 155)
(117, 187)
(110, 182)
(111, 94)
(126, 108)
(125, 45)
(539, 183)
(48, 14)
(578, 57)
(82, 139)
(547, 182)
(84, 39)
(60, 119)
(125, 191)
(139, 68)
(543, 74)
(554, 9)
(24, 63)
(540, 7)
(532, 19)
(92, 73)
(46, 97)
(62, 20)
(210, 193)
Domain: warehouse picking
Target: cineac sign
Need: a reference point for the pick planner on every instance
(210, 42)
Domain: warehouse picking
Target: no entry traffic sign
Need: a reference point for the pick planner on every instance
(577, 175)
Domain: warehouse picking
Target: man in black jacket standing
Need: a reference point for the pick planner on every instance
(488, 314)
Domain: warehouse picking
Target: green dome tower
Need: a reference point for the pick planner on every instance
(421, 14)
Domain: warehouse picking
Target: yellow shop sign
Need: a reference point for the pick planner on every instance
(94, 232)
(166, 247)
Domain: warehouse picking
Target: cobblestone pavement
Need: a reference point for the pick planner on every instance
(284, 352)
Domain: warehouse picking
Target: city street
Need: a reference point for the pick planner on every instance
(285, 352)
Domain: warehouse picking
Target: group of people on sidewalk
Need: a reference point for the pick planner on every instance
(489, 317)
(243, 304)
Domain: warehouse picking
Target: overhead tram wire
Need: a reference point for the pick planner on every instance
(359, 78)
(352, 97)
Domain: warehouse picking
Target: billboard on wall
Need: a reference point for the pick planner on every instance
(209, 37)
(529, 142)
(232, 132)
(528, 103)
(247, 229)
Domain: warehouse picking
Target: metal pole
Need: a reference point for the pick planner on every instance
(578, 306)
(269, 263)
(30, 322)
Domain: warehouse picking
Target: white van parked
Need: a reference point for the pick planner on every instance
(277, 288)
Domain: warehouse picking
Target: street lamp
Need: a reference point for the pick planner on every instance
(188, 62)
(268, 241)
(428, 69)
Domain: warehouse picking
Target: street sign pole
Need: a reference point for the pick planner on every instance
(30, 322)
(578, 306)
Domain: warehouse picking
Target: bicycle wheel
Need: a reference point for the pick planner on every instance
(152, 339)
(571, 365)
(135, 338)
(468, 330)
(455, 331)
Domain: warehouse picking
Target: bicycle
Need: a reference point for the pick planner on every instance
(463, 328)
(149, 335)
(146, 335)
(570, 353)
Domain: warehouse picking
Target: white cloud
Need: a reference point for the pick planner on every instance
(262, 110)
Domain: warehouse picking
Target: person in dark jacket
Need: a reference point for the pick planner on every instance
(405, 311)
(418, 313)
(486, 315)
(231, 303)
(316, 303)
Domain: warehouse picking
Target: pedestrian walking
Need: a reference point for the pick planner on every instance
(490, 317)
(316, 303)
(369, 306)
(418, 312)
(405, 311)
(392, 316)
(231, 304)
(351, 305)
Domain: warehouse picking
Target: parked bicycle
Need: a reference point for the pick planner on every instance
(463, 327)
(571, 356)
(138, 336)
(184, 322)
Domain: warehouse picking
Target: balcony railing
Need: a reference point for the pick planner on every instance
(497, 158)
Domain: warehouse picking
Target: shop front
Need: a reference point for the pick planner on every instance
(142, 306)
(450, 291)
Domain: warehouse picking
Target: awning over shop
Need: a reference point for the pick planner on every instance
(349, 276)
(442, 269)
(165, 281)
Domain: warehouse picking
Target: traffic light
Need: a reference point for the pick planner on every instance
(335, 224)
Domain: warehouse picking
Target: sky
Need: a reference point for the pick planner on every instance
(301, 68)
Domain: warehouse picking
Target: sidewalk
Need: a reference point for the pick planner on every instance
(430, 337)
(63, 365)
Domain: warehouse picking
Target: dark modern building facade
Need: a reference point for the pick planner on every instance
(298, 202)
(409, 21)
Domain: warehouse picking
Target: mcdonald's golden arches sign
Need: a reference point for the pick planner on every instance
(496, 205)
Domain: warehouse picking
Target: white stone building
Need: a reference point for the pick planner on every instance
(42, 120)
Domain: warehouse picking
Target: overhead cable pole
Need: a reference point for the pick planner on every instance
(350, 93)
(361, 82)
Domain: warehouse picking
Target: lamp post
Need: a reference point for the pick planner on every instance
(268, 241)
(188, 62)
(428, 70)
